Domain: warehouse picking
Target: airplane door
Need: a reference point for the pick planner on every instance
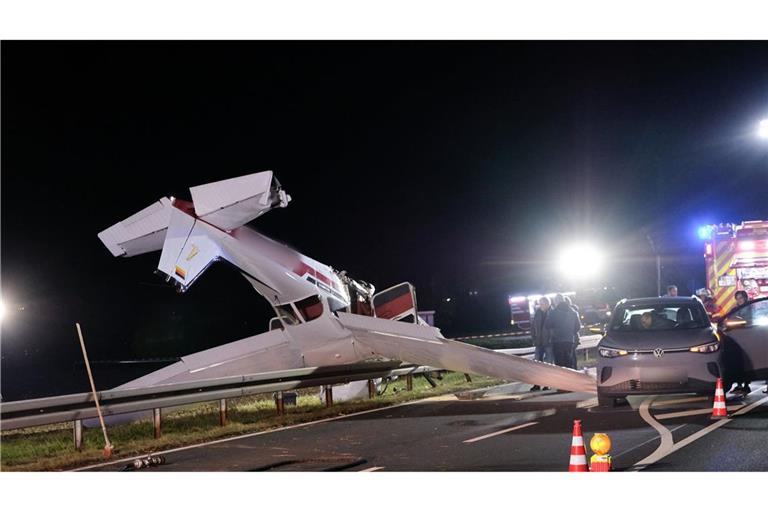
(748, 328)
(396, 303)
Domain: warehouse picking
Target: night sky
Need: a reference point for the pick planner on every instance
(457, 166)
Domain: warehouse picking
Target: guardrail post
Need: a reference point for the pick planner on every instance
(223, 412)
(279, 403)
(409, 382)
(371, 389)
(157, 420)
(78, 435)
(328, 395)
(466, 376)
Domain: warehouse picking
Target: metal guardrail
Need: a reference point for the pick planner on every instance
(58, 409)
(80, 406)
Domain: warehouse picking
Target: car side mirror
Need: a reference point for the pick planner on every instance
(734, 323)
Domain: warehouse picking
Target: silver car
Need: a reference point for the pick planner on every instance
(658, 345)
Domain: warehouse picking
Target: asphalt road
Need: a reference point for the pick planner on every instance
(502, 429)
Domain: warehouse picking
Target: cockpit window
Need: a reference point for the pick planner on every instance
(310, 308)
(287, 315)
(659, 317)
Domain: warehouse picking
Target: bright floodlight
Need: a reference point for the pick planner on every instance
(762, 131)
(2, 310)
(580, 261)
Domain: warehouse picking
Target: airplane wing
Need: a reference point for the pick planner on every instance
(423, 345)
(264, 352)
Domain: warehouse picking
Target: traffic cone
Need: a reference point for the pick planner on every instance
(578, 455)
(718, 408)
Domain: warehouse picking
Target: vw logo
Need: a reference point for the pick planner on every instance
(658, 352)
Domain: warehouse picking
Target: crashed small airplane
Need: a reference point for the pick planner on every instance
(323, 317)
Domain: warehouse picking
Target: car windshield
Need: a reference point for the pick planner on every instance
(659, 317)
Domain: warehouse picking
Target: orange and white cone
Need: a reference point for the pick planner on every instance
(578, 455)
(718, 409)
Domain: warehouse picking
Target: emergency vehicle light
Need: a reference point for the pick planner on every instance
(747, 245)
(705, 232)
(762, 131)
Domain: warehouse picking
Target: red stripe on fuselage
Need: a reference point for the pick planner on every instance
(300, 269)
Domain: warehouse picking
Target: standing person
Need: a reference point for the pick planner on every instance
(671, 291)
(742, 386)
(562, 322)
(577, 327)
(540, 335)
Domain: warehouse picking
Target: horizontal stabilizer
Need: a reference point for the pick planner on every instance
(423, 345)
(139, 233)
(231, 203)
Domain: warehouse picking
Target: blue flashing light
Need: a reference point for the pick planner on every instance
(705, 232)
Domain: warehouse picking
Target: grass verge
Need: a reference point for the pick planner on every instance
(50, 447)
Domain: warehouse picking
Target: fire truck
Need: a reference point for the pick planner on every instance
(736, 258)
(595, 306)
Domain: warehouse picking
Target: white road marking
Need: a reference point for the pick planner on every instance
(664, 450)
(370, 470)
(252, 434)
(681, 401)
(645, 442)
(475, 439)
(666, 436)
(694, 412)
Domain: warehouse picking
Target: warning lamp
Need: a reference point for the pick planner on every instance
(600, 444)
(708, 250)
(705, 232)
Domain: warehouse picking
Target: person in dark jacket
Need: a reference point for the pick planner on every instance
(742, 386)
(563, 324)
(576, 339)
(540, 335)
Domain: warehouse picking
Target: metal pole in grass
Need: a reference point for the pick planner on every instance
(107, 445)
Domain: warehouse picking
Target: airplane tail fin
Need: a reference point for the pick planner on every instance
(189, 248)
(188, 232)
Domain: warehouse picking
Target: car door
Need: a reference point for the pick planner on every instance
(747, 328)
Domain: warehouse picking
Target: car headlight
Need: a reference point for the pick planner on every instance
(707, 348)
(612, 352)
